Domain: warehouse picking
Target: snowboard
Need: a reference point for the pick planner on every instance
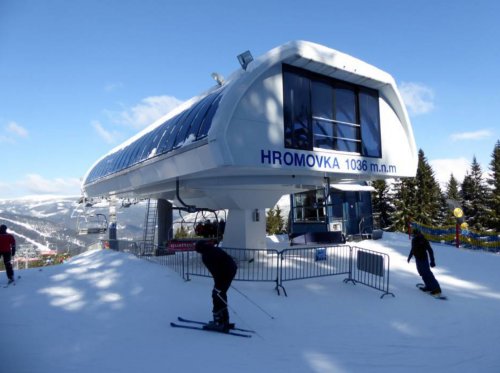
(440, 296)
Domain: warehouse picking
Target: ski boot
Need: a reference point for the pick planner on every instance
(218, 324)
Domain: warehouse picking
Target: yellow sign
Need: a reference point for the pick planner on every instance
(458, 212)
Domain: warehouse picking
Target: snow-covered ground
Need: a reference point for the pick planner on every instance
(109, 312)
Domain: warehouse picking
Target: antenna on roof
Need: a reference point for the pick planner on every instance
(218, 78)
(244, 59)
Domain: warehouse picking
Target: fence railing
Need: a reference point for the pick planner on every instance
(306, 262)
(467, 238)
(370, 268)
(361, 266)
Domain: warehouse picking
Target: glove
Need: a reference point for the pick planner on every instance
(433, 264)
(409, 258)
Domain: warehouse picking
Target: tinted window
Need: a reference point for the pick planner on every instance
(186, 125)
(197, 122)
(207, 121)
(193, 124)
(297, 112)
(370, 123)
(330, 114)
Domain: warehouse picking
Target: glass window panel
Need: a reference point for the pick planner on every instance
(136, 151)
(120, 162)
(157, 133)
(186, 125)
(307, 115)
(323, 135)
(174, 129)
(299, 214)
(127, 154)
(370, 123)
(147, 146)
(297, 111)
(323, 128)
(310, 214)
(347, 145)
(298, 200)
(207, 121)
(322, 100)
(345, 104)
(107, 166)
(347, 131)
(322, 111)
(197, 122)
(167, 130)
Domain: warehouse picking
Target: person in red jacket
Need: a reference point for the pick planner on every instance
(7, 250)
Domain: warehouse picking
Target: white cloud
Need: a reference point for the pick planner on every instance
(16, 129)
(36, 184)
(147, 111)
(419, 99)
(12, 131)
(476, 135)
(109, 136)
(443, 168)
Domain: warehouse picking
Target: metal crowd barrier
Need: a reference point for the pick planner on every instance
(253, 265)
(300, 263)
(370, 268)
(361, 266)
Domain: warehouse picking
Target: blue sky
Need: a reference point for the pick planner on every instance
(79, 77)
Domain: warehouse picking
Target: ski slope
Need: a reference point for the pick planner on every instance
(110, 312)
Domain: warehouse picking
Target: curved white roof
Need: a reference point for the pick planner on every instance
(233, 142)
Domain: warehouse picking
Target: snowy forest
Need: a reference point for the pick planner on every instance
(420, 199)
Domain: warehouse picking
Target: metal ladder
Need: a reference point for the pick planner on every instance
(150, 218)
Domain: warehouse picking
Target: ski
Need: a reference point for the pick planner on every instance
(442, 297)
(181, 319)
(230, 332)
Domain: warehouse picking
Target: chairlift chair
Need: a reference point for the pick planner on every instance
(92, 224)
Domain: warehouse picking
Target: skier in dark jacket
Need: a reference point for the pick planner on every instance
(223, 269)
(7, 251)
(419, 249)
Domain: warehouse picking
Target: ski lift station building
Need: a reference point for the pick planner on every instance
(298, 118)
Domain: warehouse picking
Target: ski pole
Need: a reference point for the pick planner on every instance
(254, 303)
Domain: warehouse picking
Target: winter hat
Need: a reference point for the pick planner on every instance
(3, 229)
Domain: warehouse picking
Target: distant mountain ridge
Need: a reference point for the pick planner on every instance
(51, 223)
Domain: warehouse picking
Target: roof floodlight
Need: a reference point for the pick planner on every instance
(218, 78)
(244, 59)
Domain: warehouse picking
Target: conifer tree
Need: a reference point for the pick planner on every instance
(452, 191)
(418, 199)
(274, 221)
(280, 219)
(494, 191)
(474, 197)
(429, 198)
(381, 202)
(404, 201)
(452, 199)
